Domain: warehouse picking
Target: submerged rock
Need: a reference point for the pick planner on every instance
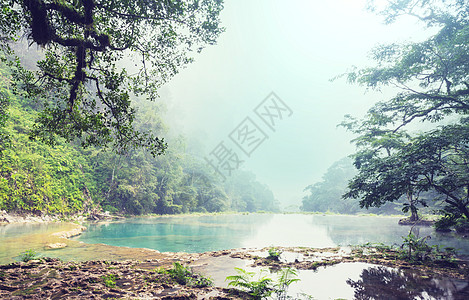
(70, 233)
(53, 279)
(409, 222)
(55, 246)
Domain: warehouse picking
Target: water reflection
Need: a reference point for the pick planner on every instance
(178, 234)
(360, 281)
(380, 282)
(289, 230)
(356, 230)
(210, 233)
(16, 238)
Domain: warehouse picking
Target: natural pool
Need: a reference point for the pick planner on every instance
(351, 281)
(217, 232)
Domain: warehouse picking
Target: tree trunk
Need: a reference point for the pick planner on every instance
(414, 216)
(413, 209)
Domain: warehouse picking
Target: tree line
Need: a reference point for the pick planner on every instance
(431, 80)
(65, 178)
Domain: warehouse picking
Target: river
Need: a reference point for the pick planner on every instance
(218, 232)
(132, 237)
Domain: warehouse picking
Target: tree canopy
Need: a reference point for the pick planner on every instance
(97, 56)
(325, 195)
(67, 179)
(432, 79)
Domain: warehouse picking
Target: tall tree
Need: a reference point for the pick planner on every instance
(433, 81)
(326, 195)
(84, 83)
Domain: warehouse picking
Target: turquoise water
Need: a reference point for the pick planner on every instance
(210, 233)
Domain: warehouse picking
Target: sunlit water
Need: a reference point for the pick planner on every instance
(347, 281)
(17, 238)
(211, 233)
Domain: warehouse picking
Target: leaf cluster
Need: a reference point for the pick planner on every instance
(84, 83)
(185, 276)
(432, 81)
(264, 286)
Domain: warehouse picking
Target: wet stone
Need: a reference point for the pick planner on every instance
(53, 279)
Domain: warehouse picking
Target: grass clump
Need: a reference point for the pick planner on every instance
(109, 280)
(274, 253)
(185, 276)
(416, 249)
(28, 255)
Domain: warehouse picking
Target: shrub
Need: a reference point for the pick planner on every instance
(274, 254)
(109, 280)
(462, 225)
(444, 223)
(184, 275)
(258, 289)
(264, 286)
(28, 255)
(416, 249)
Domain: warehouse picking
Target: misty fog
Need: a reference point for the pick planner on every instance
(294, 49)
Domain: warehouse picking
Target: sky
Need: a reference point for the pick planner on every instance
(292, 48)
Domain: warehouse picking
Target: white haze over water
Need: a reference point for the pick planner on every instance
(293, 48)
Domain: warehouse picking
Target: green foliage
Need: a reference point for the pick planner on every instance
(259, 289)
(264, 286)
(432, 77)
(445, 223)
(79, 83)
(274, 253)
(462, 225)
(65, 179)
(4, 104)
(416, 249)
(201, 281)
(110, 280)
(28, 255)
(184, 275)
(180, 273)
(416, 167)
(326, 195)
(245, 193)
(286, 277)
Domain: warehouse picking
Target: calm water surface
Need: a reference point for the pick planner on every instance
(211, 233)
(351, 281)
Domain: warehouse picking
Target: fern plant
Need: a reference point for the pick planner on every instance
(258, 289)
(287, 276)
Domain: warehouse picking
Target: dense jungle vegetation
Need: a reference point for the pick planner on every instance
(66, 178)
(428, 166)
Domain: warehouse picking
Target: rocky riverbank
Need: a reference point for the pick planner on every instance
(49, 278)
(17, 218)
(303, 258)
(116, 273)
(11, 218)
